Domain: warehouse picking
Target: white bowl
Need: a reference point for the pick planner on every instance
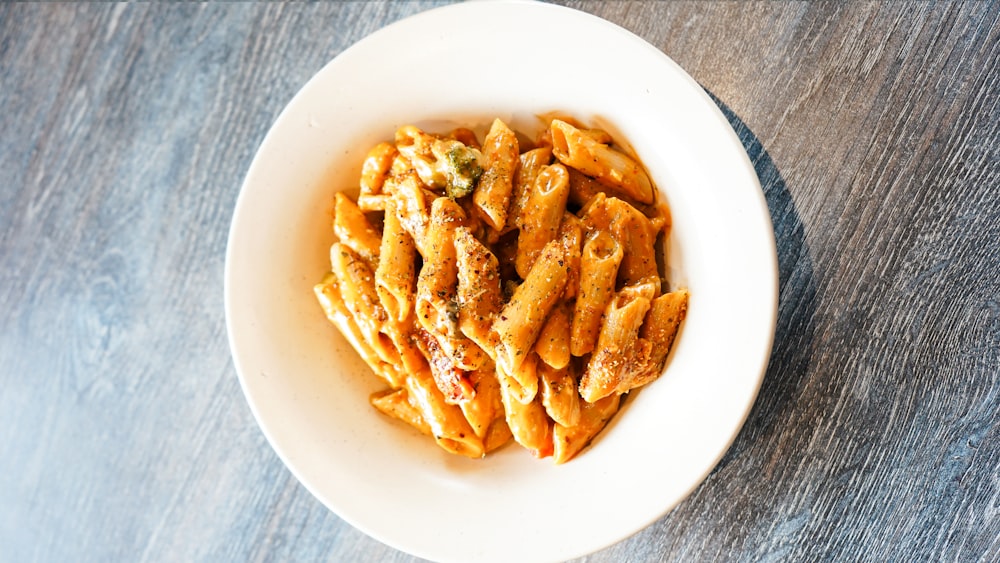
(308, 390)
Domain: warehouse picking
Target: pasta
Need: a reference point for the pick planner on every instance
(588, 154)
(541, 216)
(492, 195)
(351, 227)
(395, 276)
(506, 291)
(618, 349)
(598, 267)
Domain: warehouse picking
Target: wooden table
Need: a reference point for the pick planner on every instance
(125, 133)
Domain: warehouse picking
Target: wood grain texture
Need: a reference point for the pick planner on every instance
(125, 133)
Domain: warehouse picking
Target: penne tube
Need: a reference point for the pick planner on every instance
(595, 215)
(521, 320)
(329, 297)
(400, 167)
(373, 202)
(568, 441)
(545, 135)
(529, 165)
(523, 380)
(417, 147)
(598, 135)
(571, 235)
(395, 403)
(665, 315)
(581, 151)
(450, 379)
(465, 353)
(437, 283)
(486, 406)
(395, 278)
(411, 357)
(353, 229)
(553, 344)
(498, 434)
(528, 422)
(618, 349)
(357, 288)
(492, 194)
(542, 215)
(480, 296)
(634, 232)
(598, 268)
(437, 305)
(583, 189)
(413, 208)
(375, 168)
(447, 423)
(559, 395)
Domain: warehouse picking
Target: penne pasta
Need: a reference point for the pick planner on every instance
(559, 396)
(635, 232)
(581, 151)
(437, 286)
(618, 349)
(353, 229)
(480, 296)
(568, 441)
(413, 208)
(553, 344)
(528, 422)
(395, 403)
(417, 147)
(503, 296)
(400, 167)
(571, 235)
(373, 202)
(328, 295)
(492, 194)
(541, 216)
(447, 423)
(523, 380)
(498, 434)
(450, 379)
(486, 406)
(530, 164)
(583, 189)
(356, 283)
(522, 318)
(395, 278)
(411, 357)
(376, 168)
(598, 135)
(598, 268)
(665, 315)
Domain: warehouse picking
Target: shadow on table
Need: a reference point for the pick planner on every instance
(792, 349)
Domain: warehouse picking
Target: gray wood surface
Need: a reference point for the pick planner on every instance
(125, 131)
